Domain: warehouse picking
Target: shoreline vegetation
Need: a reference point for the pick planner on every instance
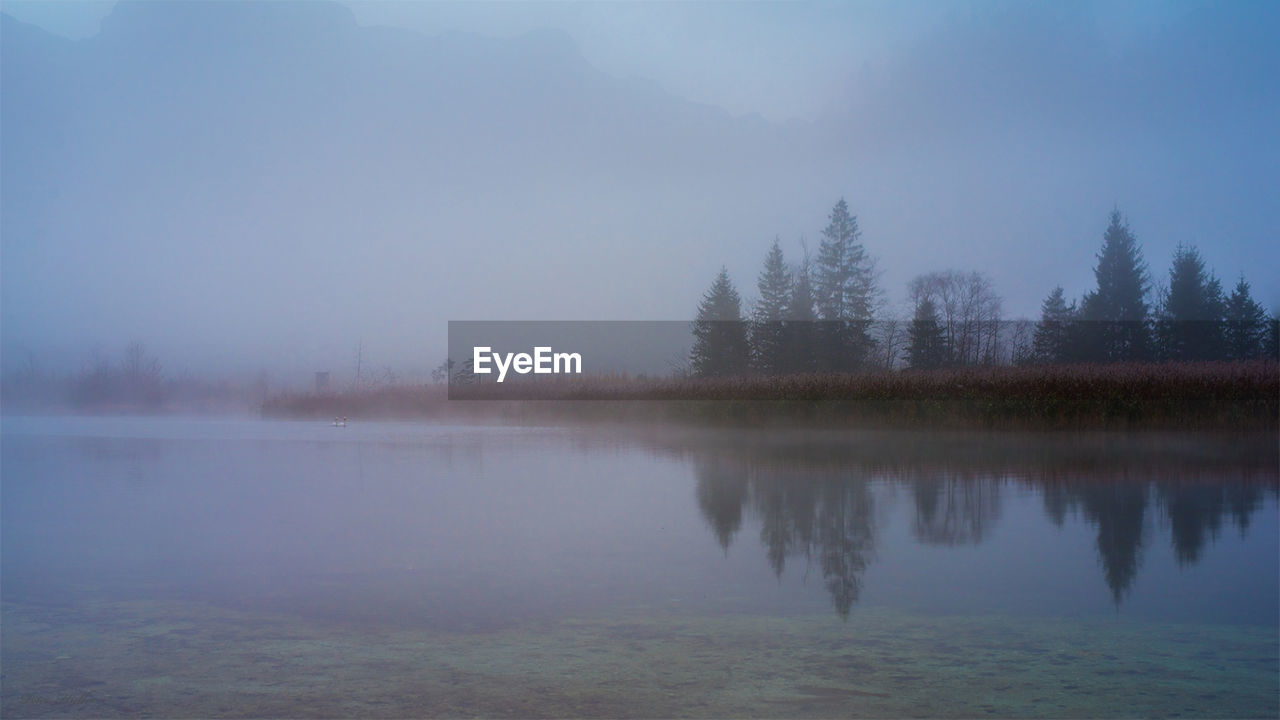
(1205, 395)
(819, 346)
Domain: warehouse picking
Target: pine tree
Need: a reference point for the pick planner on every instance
(926, 345)
(1190, 324)
(1052, 340)
(720, 345)
(768, 342)
(1271, 341)
(1116, 313)
(845, 291)
(799, 328)
(1246, 324)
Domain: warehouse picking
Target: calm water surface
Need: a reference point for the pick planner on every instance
(196, 567)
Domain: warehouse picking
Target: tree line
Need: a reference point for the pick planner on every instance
(1192, 318)
(819, 315)
(136, 382)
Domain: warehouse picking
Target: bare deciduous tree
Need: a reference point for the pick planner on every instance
(970, 313)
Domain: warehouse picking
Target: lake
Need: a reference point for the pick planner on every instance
(189, 567)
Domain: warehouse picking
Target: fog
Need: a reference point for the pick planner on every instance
(247, 186)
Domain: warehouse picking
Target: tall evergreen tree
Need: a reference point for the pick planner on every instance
(1052, 340)
(1246, 324)
(1271, 341)
(720, 336)
(845, 291)
(800, 321)
(768, 342)
(926, 344)
(1116, 313)
(1190, 324)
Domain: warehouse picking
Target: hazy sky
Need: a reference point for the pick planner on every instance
(781, 60)
(249, 184)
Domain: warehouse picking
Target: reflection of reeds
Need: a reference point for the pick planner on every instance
(1133, 394)
(1035, 459)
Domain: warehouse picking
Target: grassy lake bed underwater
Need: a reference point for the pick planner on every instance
(139, 658)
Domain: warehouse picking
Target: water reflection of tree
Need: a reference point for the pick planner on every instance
(787, 507)
(1242, 502)
(814, 515)
(814, 499)
(722, 493)
(954, 510)
(845, 540)
(1117, 510)
(1196, 513)
(776, 531)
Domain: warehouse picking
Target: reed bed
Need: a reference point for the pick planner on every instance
(1166, 395)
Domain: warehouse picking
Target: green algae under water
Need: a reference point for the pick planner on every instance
(250, 569)
(186, 660)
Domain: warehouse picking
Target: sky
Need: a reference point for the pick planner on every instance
(781, 60)
(252, 185)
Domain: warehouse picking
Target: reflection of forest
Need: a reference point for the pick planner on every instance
(814, 500)
(826, 519)
(1194, 512)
